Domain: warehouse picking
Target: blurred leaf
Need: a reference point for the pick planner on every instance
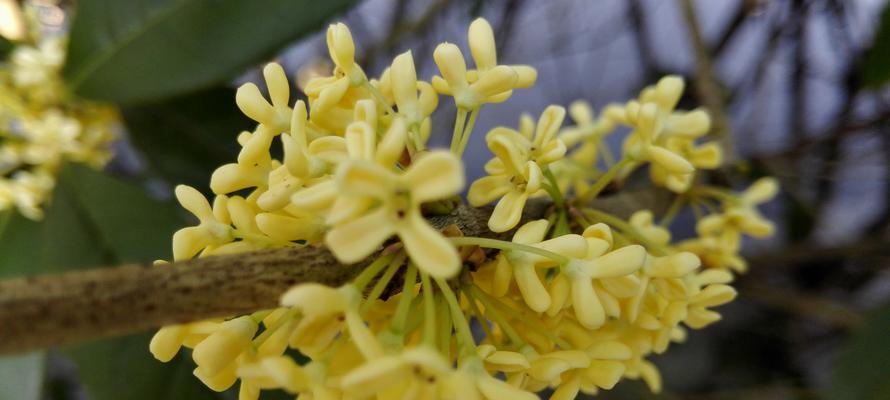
(22, 376)
(186, 138)
(5, 46)
(96, 220)
(19, 244)
(127, 222)
(124, 369)
(876, 65)
(139, 50)
(863, 369)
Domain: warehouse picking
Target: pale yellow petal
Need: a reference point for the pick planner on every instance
(488, 188)
(531, 232)
(276, 81)
(495, 81)
(428, 248)
(508, 211)
(452, 66)
(358, 177)
(670, 161)
(482, 47)
(623, 261)
(391, 147)
(588, 309)
(354, 240)
(531, 287)
(436, 175)
(252, 103)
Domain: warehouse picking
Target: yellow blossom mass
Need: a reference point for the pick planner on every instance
(42, 125)
(577, 301)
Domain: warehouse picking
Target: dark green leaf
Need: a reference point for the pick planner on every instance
(861, 372)
(121, 223)
(129, 224)
(19, 244)
(5, 47)
(124, 369)
(876, 66)
(22, 376)
(186, 138)
(139, 50)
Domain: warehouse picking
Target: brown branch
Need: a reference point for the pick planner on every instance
(706, 84)
(62, 308)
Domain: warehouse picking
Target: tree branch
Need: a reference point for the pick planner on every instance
(76, 306)
(709, 90)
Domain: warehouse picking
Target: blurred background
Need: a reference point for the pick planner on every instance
(799, 85)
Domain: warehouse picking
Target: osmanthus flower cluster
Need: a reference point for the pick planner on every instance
(578, 300)
(43, 125)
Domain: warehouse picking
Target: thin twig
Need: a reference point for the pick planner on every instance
(706, 84)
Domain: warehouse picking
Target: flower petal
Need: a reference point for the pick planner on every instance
(434, 176)
(531, 232)
(354, 240)
(530, 286)
(359, 177)
(428, 248)
(486, 189)
(482, 47)
(392, 145)
(508, 211)
(623, 261)
(588, 309)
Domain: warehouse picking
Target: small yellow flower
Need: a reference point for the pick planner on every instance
(213, 228)
(643, 145)
(252, 168)
(587, 129)
(598, 263)
(416, 100)
(413, 373)
(512, 188)
(437, 175)
(279, 372)
(275, 115)
(489, 82)
(325, 93)
(219, 350)
(741, 214)
(523, 267)
(705, 156)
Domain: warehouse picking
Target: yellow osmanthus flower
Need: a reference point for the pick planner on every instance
(415, 100)
(438, 175)
(515, 172)
(576, 302)
(489, 82)
(43, 125)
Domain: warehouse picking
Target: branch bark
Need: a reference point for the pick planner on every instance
(709, 89)
(51, 310)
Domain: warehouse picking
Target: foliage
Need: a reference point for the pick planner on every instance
(876, 65)
(121, 51)
(862, 368)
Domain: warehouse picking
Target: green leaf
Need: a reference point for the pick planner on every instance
(96, 220)
(186, 138)
(5, 47)
(128, 223)
(22, 376)
(876, 65)
(20, 242)
(861, 372)
(139, 50)
(124, 369)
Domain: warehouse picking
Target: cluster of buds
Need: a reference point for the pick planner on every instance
(42, 125)
(578, 300)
